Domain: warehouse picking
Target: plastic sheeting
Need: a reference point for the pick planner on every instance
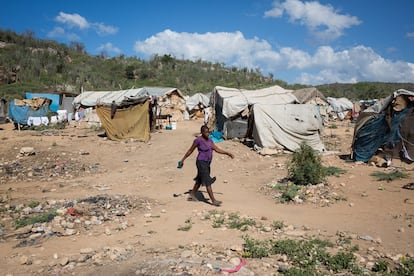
(372, 131)
(287, 126)
(131, 122)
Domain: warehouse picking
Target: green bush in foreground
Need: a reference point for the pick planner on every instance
(305, 166)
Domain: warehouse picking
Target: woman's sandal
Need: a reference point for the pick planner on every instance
(216, 203)
(192, 198)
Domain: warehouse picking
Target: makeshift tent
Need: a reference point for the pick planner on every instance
(340, 106)
(286, 126)
(197, 103)
(310, 95)
(387, 126)
(229, 104)
(19, 111)
(3, 110)
(129, 122)
(55, 99)
(170, 101)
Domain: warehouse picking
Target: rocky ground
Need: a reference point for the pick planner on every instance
(75, 203)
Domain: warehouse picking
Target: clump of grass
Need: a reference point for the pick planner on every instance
(46, 217)
(187, 226)
(289, 191)
(308, 257)
(33, 204)
(380, 266)
(383, 176)
(305, 166)
(333, 126)
(278, 224)
(328, 171)
(235, 222)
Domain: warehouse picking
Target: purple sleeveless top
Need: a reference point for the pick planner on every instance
(205, 148)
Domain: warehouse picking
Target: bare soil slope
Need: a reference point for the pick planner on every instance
(128, 211)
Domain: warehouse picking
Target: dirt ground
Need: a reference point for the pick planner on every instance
(143, 204)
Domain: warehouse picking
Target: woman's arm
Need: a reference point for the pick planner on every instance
(222, 151)
(189, 152)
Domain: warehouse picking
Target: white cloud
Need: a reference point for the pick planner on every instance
(410, 35)
(76, 21)
(321, 20)
(109, 48)
(325, 65)
(59, 32)
(231, 48)
(103, 29)
(72, 20)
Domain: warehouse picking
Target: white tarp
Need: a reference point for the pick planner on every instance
(340, 104)
(196, 99)
(287, 126)
(234, 101)
(93, 98)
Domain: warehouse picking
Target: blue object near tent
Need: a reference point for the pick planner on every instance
(216, 136)
(54, 106)
(20, 114)
(376, 133)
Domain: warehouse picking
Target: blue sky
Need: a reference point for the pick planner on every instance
(298, 41)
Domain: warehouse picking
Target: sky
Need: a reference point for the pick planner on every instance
(297, 41)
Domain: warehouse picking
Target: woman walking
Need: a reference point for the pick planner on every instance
(205, 148)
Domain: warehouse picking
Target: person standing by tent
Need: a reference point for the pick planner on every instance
(205, 148)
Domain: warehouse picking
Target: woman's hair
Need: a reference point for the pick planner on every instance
(203, 128)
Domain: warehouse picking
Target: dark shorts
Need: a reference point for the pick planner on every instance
(203, 173)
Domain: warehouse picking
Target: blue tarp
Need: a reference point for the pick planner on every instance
(20, 114)
(375, 134)
(54, 106)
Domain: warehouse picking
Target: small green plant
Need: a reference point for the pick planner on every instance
(328, 171)
(406, 267)
(46, 217)
(305, 166)
(383, 176)
(278, 224)
(235, 222)
(255, 248)
(333, 126)
(341, 261)
(187, 225)
(218, 222)
(380, 266)
(54, 144)
(33, 204)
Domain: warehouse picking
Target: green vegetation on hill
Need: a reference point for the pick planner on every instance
(30, 64)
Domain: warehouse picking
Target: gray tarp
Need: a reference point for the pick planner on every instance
(286, 126)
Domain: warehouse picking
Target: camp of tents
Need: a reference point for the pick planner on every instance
(273, 118)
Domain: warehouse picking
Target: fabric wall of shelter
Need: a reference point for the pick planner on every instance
(287, 126)
(131, 122)
(19, 112)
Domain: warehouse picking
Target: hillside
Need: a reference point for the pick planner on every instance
(30, 64)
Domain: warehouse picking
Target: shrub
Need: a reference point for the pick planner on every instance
(305, 166)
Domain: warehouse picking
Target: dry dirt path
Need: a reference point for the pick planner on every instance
(383, 211)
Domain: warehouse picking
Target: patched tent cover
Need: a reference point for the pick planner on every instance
(287, 126)
(389, 124)
(228, 103)
(129, 122)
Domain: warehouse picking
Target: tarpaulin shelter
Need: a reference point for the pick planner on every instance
(197, 103)
(231, 104)
(286, 126)
(386, 126)
(54, 98)
(19, 111)
(123, 114)
(132, 121)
